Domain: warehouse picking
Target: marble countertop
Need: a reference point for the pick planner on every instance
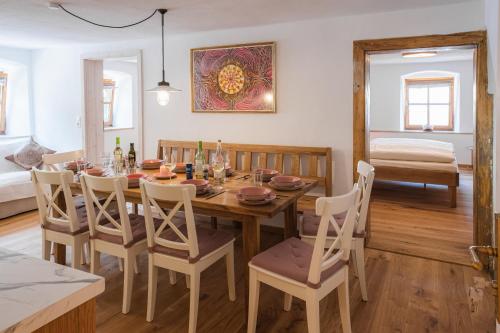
(33, 292)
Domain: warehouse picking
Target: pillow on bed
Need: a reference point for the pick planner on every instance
(29, 155)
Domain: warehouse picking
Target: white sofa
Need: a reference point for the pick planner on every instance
(16, 190)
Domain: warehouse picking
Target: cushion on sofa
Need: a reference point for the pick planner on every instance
(30, 155)
(15, 185)
(8, 147)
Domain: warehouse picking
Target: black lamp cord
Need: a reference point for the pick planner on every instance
(162, 12)
(109, 26)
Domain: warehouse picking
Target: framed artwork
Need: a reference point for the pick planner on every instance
(234, 78)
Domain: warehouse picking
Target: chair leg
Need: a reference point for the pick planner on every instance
(213, 221)
(287, 303)
(253, 301)
(120, 263)
(194, 299)
(76, 253)
(312, 309)
(83, 257)
(354, 260)
(172, 277)
(343, 293)
(187, 281)
(128, 282)
(230, 274)
(95, 258)
(152, 283)
(46, 248)
(136, 266)
(360, 267)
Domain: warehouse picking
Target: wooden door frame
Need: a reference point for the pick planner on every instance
(483, 132)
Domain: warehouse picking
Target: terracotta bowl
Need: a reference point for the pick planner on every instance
(253, 193)
(134, 176)
(95, 171)
(199, 183)
(154, 161)
(286, 180)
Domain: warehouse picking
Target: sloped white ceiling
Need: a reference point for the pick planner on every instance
(30, 24)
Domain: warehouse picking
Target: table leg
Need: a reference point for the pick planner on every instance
(291, 220)
(251, 247)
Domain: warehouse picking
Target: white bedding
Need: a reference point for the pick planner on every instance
(436, 166)
(403, 149)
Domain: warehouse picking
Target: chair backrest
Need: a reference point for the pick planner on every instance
(182, 196)
(110, 188)
(315, 162)
(365, 182)
(49, 209)
(327, 208)
(52, 160)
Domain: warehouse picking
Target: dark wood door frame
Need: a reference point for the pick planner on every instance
(483, 138)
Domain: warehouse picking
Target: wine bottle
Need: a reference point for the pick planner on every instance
(118, 154)
(131, 156)
(199, 162)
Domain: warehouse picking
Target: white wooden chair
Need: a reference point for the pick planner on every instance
(122, 235)
(53, 161)
(182, 247)
(309, 223)
(308, 271)
(63, 225)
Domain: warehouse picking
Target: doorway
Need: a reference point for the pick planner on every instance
(482, 130)
(113, 104)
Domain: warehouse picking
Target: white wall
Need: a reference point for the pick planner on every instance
(17, 64)
(314, 82)
(57, 98)
(125, 117)
(385, 93)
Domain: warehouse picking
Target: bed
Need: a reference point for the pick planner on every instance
(417, 161)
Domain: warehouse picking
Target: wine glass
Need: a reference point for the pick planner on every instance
(218, 166)
(170, 163)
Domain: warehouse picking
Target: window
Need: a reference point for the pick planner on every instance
(429, 102)
(3, 101)
(108, 95)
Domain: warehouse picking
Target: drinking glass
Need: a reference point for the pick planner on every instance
(257, 178)
(170, 162)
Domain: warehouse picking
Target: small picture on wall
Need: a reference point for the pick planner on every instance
(236, 78)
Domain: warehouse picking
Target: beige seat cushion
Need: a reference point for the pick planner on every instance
(310, 225)
(209, 240)
(138, 226)
(292, 259)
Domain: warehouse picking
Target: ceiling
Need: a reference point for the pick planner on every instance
(443, 55)
(30, 24)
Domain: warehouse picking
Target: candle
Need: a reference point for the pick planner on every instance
(163, 170)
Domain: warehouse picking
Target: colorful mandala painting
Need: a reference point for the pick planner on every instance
(233, 78)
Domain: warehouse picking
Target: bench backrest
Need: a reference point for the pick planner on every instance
(314, 162)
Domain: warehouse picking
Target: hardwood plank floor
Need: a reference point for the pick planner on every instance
(408, 219)
(406, 294)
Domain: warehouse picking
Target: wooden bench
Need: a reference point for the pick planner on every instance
(315, 162)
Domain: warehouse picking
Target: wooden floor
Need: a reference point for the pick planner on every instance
(408, 219)
(406, 294)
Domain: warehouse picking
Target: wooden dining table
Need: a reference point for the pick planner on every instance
(226, 205)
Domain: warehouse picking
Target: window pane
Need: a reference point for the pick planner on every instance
(107, 114)
(107, 94)
(417, 115)
(439, 94)
(439, 115)
(417, 95)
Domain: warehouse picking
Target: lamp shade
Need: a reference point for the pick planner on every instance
(163, 91)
